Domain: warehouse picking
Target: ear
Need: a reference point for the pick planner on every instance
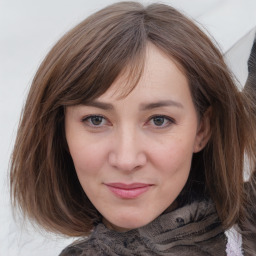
(204, 131)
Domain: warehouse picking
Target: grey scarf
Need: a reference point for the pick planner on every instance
(193, 230)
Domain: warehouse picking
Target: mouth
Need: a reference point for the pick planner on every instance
(128, 191)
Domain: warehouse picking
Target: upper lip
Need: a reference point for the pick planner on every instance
(127, 186)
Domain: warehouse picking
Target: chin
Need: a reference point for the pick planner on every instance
(127, 223)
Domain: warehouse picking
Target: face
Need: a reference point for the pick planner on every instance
(133, 155)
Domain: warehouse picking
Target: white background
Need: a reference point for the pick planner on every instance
(29, 28)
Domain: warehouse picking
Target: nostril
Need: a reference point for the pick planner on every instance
(127, 161)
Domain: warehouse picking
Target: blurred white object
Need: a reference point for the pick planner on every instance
(234, 246)
(237, 56)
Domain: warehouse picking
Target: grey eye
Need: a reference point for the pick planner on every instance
(159, 120)
(96, 120)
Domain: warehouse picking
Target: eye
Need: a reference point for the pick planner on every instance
(160, 121)
(95, 121)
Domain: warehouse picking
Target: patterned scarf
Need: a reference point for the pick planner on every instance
(193, 230)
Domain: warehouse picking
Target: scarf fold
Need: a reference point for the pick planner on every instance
(193, 230)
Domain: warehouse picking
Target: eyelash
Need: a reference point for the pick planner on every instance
(168, 121)
(88, 120)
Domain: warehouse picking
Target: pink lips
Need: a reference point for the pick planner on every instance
(128, 191)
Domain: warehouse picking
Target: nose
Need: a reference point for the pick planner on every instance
(128, 152)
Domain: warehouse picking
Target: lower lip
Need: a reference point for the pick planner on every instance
(129, 193)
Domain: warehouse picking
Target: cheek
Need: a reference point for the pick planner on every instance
(88, 161)
(87, 157)
(174, 164)
(174, 156)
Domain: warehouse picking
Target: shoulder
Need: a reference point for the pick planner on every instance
(82, 247)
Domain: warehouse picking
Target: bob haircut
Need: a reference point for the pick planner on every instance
(81, 67)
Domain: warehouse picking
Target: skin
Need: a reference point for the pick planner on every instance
(132, 139)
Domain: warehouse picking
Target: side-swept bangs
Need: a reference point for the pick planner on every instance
(80, 67)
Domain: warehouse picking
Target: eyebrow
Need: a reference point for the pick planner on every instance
(98, 104)
(162, 103)
(143, 107)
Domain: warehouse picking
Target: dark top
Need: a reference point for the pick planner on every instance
(193, 230)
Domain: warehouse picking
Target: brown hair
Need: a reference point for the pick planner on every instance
(81, 67)
(248, 223)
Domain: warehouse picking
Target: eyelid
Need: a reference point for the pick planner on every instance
(168, 118)
(91, 115)
(87, 123)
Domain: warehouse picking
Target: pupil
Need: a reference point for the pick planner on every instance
(96, 120)
(158, 121)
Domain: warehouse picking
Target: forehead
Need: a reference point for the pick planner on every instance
(160, 74)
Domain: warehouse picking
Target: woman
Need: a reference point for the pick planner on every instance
(135, 135)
